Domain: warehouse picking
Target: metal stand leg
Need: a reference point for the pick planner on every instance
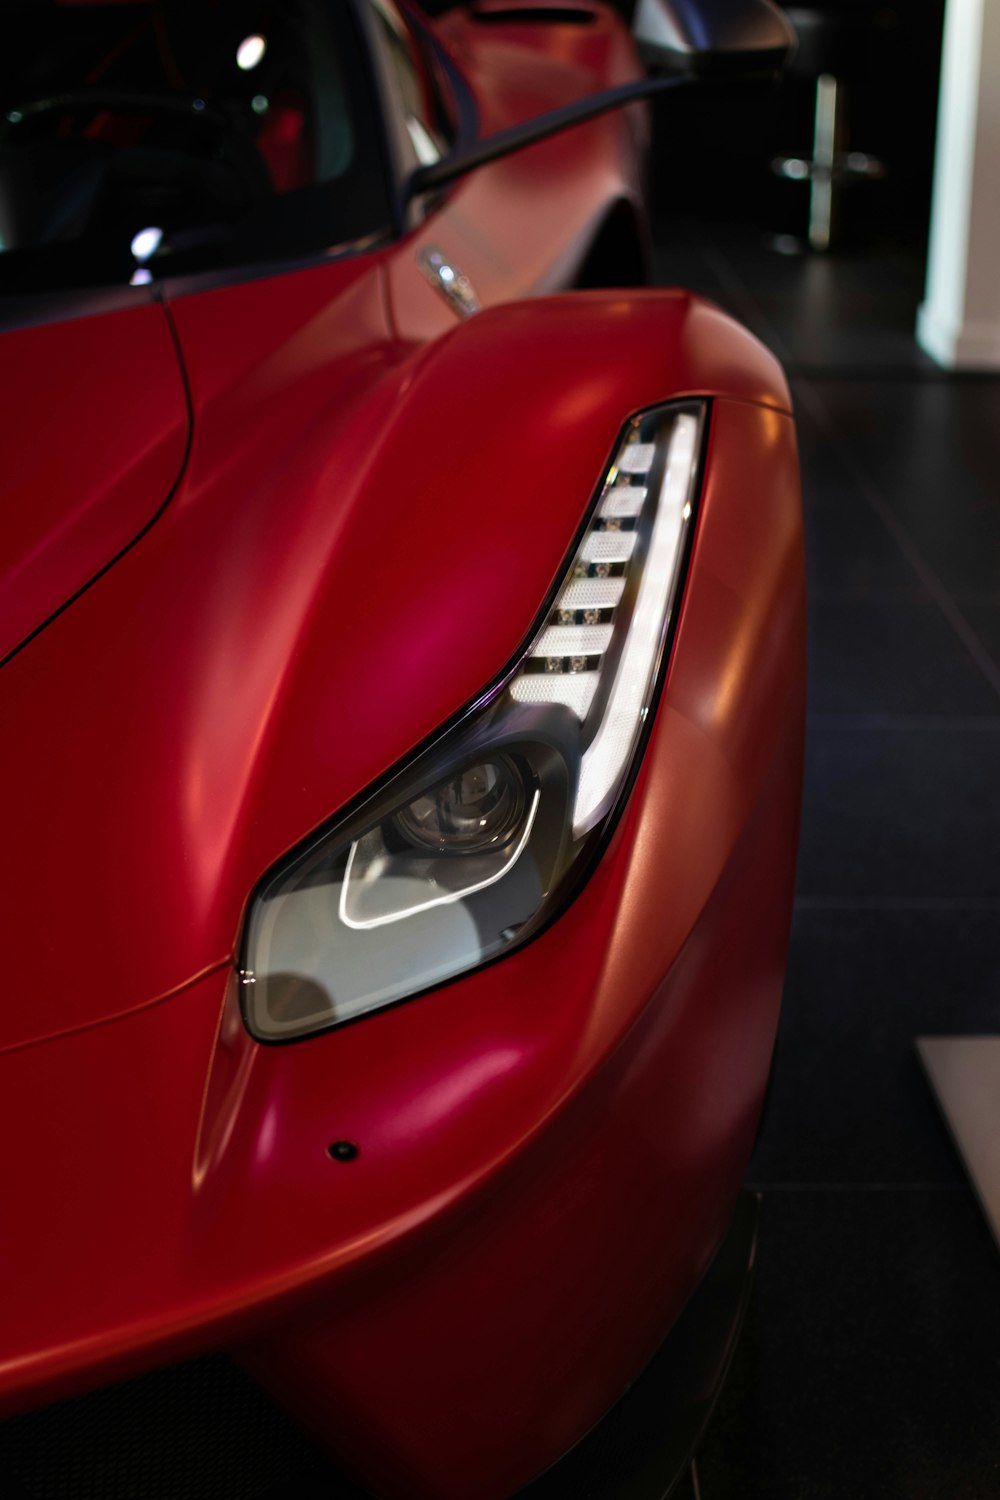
(825, 146)
(829, 165)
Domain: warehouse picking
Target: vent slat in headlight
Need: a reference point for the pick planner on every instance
(623, 500)
(609, 546)
(608, 752)
(574, 689)
(573, 640)
(637, 459)
(591, 593)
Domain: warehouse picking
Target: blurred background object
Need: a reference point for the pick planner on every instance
(833, 47)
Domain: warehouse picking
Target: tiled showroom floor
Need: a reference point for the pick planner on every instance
(870, 1363)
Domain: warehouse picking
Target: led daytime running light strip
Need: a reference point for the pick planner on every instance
(605, 757)
(566, 661)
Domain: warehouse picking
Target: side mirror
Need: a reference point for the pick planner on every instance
(713, 37)
(681, 39)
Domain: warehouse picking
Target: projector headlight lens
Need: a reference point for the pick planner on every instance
(478, 841)
(480, 808)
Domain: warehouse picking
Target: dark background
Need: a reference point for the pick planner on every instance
(713, 146)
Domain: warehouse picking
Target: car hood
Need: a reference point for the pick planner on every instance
(357, 548)
(96, 426)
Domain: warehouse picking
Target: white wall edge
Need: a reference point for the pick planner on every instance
(969, 346)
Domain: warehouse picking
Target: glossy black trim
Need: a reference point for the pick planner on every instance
(191, 282)
(188, 106)
(492, 147)
(536, 15)
(383, 106)
(31, 309)
(467, 123)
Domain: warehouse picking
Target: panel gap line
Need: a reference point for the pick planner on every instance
(898, 903)
(919, 723)
(858, 1187)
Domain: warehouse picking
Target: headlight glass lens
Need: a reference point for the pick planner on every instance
(478, 841)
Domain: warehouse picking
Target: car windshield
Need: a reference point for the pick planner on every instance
(147, 138)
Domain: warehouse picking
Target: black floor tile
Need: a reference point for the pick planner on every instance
(929, 452)
(850, 554)
(849, 1101)
(892, 656)
(901, 813)
(849, 549)
(198, 1431)
(870, 1366)
(837, 313)
(984, 617)
(837, 310)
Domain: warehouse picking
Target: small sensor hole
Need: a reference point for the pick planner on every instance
(343, 1151)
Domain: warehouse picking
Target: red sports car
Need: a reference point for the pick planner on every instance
(403, 679)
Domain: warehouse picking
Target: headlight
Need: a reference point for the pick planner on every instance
(478, 841)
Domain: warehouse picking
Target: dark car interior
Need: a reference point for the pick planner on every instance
(151, 137)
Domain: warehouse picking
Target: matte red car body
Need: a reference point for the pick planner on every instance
(550, 1147)
(79, 482)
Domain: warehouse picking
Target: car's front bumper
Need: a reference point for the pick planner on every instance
(644, 1445)
(199, 1430)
